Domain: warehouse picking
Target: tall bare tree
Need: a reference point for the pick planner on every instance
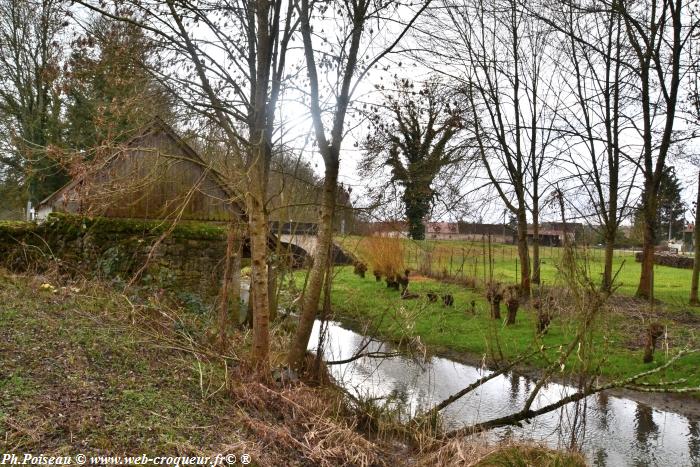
(694, 300)
(348, 62)
(657, 32)
(597, 84)
(500, 54)
(226, 61)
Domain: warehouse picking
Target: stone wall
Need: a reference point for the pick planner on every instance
(190, 258)
(669, 259)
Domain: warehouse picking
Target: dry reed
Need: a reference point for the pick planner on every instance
(386, 255)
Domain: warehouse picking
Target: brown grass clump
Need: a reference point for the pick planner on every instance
(479, 452)
(456, 452)
(304, 425)
(385, 255)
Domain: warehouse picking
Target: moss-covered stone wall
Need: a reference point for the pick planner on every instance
(189, 258)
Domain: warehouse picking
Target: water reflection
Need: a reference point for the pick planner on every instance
(514, 387)
(644, 425)
(603, 401)
(694, 441)
(611, 431)
(600, 458)
(646, 431)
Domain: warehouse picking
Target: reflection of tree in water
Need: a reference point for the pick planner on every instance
(694, 441)
(644, 423)
(603, 409)
(514, 387)
(645, 428)
(600, 459)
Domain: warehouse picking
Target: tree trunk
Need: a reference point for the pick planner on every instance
(272, 290)
(417, 205)
(235, 292)
(316, 276)
(646, 279)
(535, 244)
(523, 254)
(696, 247)
(248, 321)
(608, 260)
(224, 315)
(259, 299)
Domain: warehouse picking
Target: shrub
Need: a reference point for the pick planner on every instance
(386, 255)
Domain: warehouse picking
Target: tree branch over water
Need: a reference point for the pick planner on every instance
(628, 383)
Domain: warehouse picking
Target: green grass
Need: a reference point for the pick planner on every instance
(616, 343)
(84, 370)
(76, 377)
(468, 258)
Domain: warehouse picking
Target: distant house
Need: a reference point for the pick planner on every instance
(499, 233)
(392, 228)
(156, 175)
(548, 236)
(441, 231)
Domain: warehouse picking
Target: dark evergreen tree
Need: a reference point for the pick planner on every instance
(671, 208)
(30, 104)
(110, 88)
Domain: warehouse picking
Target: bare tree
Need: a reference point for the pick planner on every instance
(598, 86)
(499, 53)
(226, 62)
(657, 32)
(354, 21)
(696, 245)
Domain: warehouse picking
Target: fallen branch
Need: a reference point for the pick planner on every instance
(479, 382)
(365, 354)
(527, 413)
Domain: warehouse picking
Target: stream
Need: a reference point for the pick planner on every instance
(615, 431)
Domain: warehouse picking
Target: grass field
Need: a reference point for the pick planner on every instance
(617, 338)
(465, 258)
(84, 370)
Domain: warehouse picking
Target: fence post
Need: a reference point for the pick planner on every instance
(483, 257)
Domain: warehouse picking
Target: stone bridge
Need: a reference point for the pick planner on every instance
(302, 236)
(309, 243)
